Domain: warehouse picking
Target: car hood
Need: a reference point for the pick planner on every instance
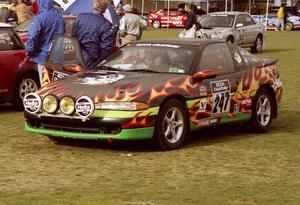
(217, 30)
(104, 85)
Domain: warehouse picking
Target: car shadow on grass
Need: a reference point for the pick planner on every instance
(275, 50)
(287, 121)
(6, 108)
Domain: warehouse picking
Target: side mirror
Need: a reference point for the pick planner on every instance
(73, 68)
(201, 75)
(238, 25)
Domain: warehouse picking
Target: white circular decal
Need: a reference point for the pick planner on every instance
(84, 106)
(32, 103)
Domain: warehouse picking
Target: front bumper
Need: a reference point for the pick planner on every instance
(125, 134)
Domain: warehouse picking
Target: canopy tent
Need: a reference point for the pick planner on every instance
(76, 6)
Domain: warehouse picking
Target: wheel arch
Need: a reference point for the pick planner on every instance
(273, 95)
(230, 37)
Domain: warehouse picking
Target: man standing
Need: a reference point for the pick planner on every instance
(280, 16)
(191, 17)
(130, 25)
(45, 26)
(94, 34)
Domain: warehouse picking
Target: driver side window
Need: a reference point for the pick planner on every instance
(216, 57)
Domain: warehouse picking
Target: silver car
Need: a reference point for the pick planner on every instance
(238, 27)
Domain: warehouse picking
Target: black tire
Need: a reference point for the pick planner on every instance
(258, 45)
(230, 39)
(156, 24)
(25, 84)
(166, 122)
(289, 26)
(261, 118)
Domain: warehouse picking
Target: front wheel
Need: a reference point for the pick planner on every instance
(262, 110)
(258, 45)
(156, 24)
(289, 26)
(172, 127)
(26, 84)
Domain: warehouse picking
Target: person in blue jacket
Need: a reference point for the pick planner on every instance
(45, 26)
(94, 34)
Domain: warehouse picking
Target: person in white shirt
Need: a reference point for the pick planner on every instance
(130, 25)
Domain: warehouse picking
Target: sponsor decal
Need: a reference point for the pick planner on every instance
(202, 105)
(202, 91)
(32, 103)
(236, 108)
(247, 102)
(203, 123)
(237, 58)
(58, 75)
(100, 78)
(278, 83)
(213, 121)
(84, 106)
(221, 96)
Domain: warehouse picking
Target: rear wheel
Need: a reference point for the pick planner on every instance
(156, 24)
(262, 110)
(258, 44)
(230, 39)
(172, 127)
(28, 83)
(289, 26)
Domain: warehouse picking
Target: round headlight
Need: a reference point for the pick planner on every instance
(84, 106)
(67, 105)
(50, 104)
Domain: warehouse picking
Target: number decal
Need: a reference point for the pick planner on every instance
(221, 96)
(221, 102)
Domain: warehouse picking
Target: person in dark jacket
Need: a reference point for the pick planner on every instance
(45, 26)
(94, 34)
(191, 17)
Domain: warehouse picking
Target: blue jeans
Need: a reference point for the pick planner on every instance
(281, 24)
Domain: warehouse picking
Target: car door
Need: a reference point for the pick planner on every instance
(248, 28)
(11, 55)
(214, 103)
(65, 58)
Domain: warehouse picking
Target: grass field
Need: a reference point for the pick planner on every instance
(221, 166)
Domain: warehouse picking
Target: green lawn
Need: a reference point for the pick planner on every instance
(221, 166)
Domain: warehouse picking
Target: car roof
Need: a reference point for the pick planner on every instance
(229, 12)
(5, 25)
(180, 41)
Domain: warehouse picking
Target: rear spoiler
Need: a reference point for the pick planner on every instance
(266, 62)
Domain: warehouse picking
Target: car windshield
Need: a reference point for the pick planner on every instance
(163, 58)
(211, 21)
(24, 27)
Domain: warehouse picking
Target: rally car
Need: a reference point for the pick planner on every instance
(292, 21)
(237, 27)
(155, 89)
(165, 18)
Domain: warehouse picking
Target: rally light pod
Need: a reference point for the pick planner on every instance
(67, 105)
(50, 104)
(32, 103)
(84, 106)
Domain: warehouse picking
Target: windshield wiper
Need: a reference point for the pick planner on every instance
(142, 70)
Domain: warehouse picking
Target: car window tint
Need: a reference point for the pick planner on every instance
(6, 42)
(248, 58)
(216, 57)
(65, 51)
(239, 19)
(248, 20)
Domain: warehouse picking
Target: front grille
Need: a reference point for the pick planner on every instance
(75, 125)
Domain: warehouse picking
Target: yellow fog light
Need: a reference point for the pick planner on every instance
(67, 105)
(50, 104)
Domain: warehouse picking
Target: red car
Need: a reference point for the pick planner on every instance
(15, 82)
(22, 29)
(176, 18)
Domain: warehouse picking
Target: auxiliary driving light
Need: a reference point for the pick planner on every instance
(50, 104)
(67, 105)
